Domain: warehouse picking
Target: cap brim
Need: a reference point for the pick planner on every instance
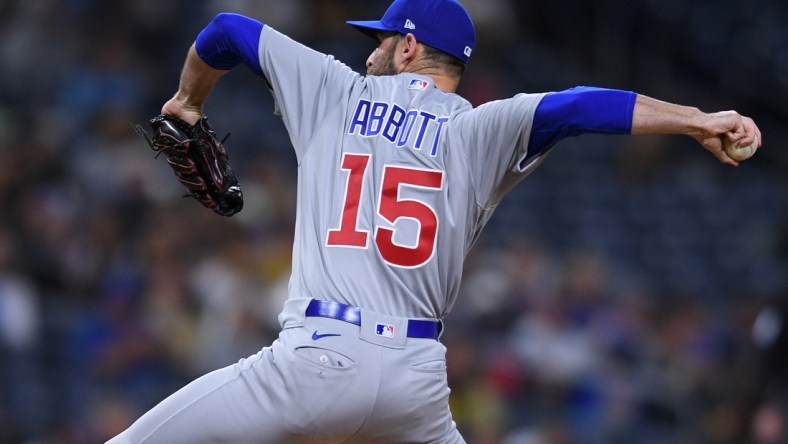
(369, 27)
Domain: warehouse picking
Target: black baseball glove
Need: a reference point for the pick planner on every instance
(198, 159)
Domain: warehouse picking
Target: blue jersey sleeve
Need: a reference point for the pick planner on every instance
(578, 111)
(228, 40)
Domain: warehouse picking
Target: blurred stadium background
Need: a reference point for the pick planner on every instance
(630, 291)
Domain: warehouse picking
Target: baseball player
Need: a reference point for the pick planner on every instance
(397, 177)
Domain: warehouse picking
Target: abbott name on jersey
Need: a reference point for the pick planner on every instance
(398, 126)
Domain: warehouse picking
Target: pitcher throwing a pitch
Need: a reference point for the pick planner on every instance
(397, 176)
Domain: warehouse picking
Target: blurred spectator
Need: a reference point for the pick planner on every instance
(20, 331)
(770, 334)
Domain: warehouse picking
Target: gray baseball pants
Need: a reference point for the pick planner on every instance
(319, 382)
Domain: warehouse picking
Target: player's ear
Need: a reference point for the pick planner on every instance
(409, 48)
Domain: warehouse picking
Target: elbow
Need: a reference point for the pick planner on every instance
(230, 39)
(222, 22)
(215, 44)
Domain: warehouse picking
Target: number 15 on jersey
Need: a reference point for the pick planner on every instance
(391, 207)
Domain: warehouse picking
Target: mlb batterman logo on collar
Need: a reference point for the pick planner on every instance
(442, 24)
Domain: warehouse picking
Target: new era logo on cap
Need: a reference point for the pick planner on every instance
(409, 24)
(467, 51)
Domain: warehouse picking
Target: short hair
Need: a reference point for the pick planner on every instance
(440, 59)
(445, 60)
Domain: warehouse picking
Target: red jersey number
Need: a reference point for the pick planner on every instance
(391, 208)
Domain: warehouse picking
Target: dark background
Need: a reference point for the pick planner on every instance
(630, 291)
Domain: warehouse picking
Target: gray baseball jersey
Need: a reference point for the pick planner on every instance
(396, 178)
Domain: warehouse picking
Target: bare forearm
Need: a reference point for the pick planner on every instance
(652, 116)
(196, 83)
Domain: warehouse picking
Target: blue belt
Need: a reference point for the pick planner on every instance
(417, 328)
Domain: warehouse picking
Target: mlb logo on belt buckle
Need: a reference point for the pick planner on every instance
(385, 330)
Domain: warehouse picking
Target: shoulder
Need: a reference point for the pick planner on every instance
(281, 53)
(520, 106)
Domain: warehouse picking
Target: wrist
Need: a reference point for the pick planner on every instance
(697, 122)
(179, 107)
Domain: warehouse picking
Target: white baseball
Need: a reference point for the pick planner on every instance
(737, 152)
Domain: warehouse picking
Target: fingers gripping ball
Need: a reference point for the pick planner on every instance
(737, 152)
(198, 160)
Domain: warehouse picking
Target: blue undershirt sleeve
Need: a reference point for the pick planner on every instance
(228, 40)
(578, 111)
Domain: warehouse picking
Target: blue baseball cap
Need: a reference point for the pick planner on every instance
(442, 24)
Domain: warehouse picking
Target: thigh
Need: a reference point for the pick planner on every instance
(331, 382)
(225, 405)
(296, 391)
(413, 401)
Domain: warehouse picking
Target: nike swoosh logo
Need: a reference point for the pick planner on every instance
(316, 336)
